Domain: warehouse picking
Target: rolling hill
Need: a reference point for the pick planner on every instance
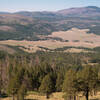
(27, 25)
(90, 11)
(41, 26)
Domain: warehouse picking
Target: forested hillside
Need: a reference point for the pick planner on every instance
(28, 25)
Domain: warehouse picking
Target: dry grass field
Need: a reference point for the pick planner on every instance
(54, 96)
(72, 50)
(7, 49)
(33, 46)
(77, 34)
(76, 37)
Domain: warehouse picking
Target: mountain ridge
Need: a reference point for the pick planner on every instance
(95, 7)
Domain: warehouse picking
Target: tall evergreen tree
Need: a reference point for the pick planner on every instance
(87, 80)
(59, 82)
(22, 92)
(70, 85)
(13, 87)
(47, 86)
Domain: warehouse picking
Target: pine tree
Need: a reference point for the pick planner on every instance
(70, 85)
(22, 92)
(13, 86)
(87, 80)
(47, 86)
(59, 82)
(15, 82)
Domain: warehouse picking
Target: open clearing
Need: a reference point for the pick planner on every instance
(77, 34)
(76, 37)
(33, 46)
(7, 49)
(54, 96)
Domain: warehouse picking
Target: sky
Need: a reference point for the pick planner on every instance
(44, 5)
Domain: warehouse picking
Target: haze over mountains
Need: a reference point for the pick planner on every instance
(80, 11)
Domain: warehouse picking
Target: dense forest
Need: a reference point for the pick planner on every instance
(48, 72)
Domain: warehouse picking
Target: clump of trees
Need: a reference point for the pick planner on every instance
(70, 85)
(84, 81)
(47, 85)
(17, 84)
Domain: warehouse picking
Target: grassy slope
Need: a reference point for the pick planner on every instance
(11, 49)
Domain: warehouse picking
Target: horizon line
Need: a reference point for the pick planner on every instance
(5, 11)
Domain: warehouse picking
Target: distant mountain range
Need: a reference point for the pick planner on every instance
(81, 11)
(28, 25)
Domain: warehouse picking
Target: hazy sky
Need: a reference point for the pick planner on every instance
(44, 5)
